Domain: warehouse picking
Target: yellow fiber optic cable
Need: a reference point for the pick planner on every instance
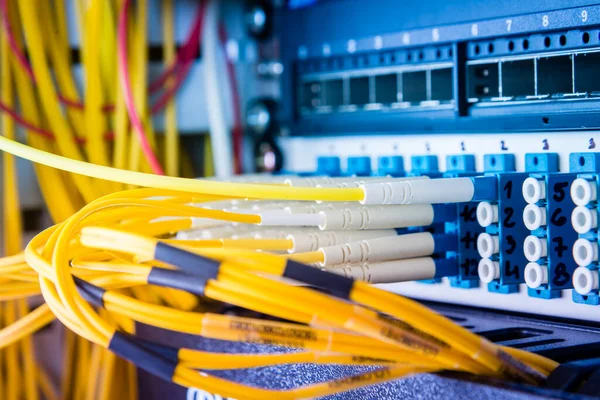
(171, 134)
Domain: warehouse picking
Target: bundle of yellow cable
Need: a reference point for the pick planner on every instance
(111, 259)
(56, 120)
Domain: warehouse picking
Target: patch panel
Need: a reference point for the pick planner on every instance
(382, 87)
(515, 72)
(523, 156)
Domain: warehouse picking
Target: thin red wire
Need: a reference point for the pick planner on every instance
(125, 82)
(187, 53)
(36, 129)
(237, 129)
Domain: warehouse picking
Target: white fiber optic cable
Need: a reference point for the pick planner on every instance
(376, 217)
(346, 181)
(398, 270)
(214, 89)
(380, 249)
(219, 232)
(312, 241)
(430, 191)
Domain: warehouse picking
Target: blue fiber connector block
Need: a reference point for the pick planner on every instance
(461, 163)
(424, 165)
(329, 165)
(559, 234)
(464, 230)
(391, 165)
(498, 163)
(444, 243)
(584, 162)
(587, 166)
(446, 267)
(511, 231)
(359, 166)
(486, 188)
(541, 162)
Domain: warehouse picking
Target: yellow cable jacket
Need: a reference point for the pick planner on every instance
(182, 184)
(209, 168)
(171, 133)
(94, 99)
(13, 366)
(49, 97)
(140, 93)
(12, 229)
(60, 60)
(52, 182)
(27, 354)
(108, 61)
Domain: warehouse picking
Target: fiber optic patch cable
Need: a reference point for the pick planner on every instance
(235, 276)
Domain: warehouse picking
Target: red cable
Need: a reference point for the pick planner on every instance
(237, 129)
(40, 131)
(125, 83)
(13, 42)
(164, 99)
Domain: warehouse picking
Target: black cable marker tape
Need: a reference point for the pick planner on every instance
(177, 280)
(123, 345)
(91, 293)
(167, 352)
(339, 286)
(189, 262)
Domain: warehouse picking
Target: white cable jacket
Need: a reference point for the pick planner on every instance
(219, 232)
(281, 218)
(274, 233)
(380, 249)
(312, 241)
(389, 271)
(376, 217)
(357, 182)
(422, 191)
(345, 181)
(214, 89)
(316, 208)
(205, 223)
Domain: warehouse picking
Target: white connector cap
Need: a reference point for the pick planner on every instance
(583, 191)
(534, 217)
(584, 219)
(487, 245)
(419, 191)
(536, 275)
(535, 248)
(585, 252)
(488, 270)
(585, 280)
(534, 190)
(487, 214)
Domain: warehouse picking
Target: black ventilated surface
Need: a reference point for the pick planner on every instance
(558, 340)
